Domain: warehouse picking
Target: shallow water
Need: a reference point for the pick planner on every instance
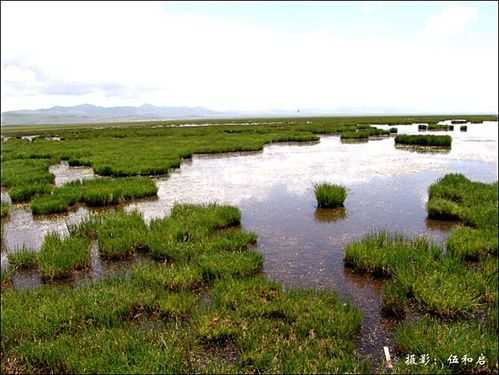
(303, 246)
(64, 173)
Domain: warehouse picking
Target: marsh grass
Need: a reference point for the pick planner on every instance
(363, 132)
(441, 285)
(424, 140)
(17, 172)
(463, 128)
(24, 193)
(442, 339)
(456, 197)
(437, 127)
(23, 259)
(233, 264)
(107, 350)
(178, 306)
(446, 287)
(168, 276)
(381, 253)
(4, 209)
(99, 192)
(393, 130)
(59, 257)
(469, 244)
(120, 234)
(329, 195)
(422, 127)
(186, 316)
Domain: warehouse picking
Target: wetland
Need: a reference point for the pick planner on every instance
(227, 260)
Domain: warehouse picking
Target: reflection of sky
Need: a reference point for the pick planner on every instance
(64, 173)
(242, 177)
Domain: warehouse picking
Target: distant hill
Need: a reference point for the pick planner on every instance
(88, 113)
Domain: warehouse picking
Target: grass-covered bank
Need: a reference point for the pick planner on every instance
(99, 192)
(455, 300)
(199, 304)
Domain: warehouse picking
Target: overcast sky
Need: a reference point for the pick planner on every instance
(416, 57)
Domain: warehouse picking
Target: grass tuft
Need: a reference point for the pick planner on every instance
(59, 257)
(23, 259)
(424, 140)
(329, 195)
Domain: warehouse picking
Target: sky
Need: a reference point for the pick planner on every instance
(379, 57)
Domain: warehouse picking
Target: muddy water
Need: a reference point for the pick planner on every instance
(303, 246)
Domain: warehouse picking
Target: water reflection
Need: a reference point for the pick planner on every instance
(63, 173)
(325, 215)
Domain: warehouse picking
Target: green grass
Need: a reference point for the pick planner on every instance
(185, 315)
(454, 197)
(4, 209)
(24, 193)
(59, 257)
(23, 259)
(437, 127)
(437, 284)
(363, 133)
(107, 350)
(22, 170)
(463, 128)
(329, 195)
(424, 140)
(98, 192)
(234, 264)
(168, 276)
(382, 253)
(441, 340)
(120, 234)
(470, 244)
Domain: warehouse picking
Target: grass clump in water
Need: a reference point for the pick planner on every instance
(23, 193)
(382, 252)
(120, 234)
(59, 257)
(424, 140)
(463, 128)
(421, 273)
(329, 195)
(99, 192)
(393, 130)
(454, 197)
(23, 259)
(438, 127)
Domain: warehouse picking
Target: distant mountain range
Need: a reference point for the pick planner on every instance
(88, 113)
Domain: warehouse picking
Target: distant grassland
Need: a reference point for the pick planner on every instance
(154, 147)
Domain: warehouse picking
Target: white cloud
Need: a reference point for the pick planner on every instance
(451, 20)
(182, 59)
